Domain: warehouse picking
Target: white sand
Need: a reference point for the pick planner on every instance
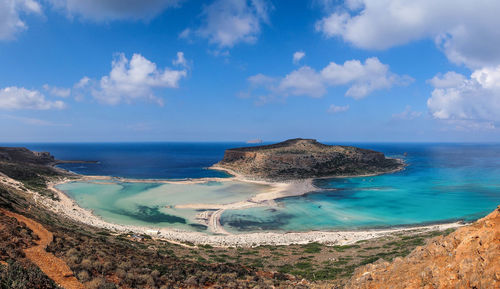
(67, 207)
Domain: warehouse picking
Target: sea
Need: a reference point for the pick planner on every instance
(443, 182)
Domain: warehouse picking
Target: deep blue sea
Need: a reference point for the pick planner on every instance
(442, 182)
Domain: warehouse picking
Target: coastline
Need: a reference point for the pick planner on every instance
(67, 207)
(402, 166)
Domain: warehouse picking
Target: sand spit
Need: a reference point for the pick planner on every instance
(67, 207)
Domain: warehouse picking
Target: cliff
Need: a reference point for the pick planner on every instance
(305, 158)
(467, 258)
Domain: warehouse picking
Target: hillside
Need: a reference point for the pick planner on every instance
(304, 158)
(467, 258)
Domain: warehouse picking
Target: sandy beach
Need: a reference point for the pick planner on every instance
(67, 207)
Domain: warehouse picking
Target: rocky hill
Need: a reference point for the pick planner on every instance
(24, 155)
(305, 158)
(467, 258)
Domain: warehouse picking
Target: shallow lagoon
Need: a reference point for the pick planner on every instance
(443, 182)
(151, 204)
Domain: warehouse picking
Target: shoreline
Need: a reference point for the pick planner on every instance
(210, 214)
(402, 166)
(68, 207)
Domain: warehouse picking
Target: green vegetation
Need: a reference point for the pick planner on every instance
(17, 275)
(312, 248)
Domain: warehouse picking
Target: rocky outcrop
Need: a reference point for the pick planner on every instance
(24, 155)
(467, 258)
(305, 158)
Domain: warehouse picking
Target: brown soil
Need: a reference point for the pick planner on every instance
(467, 258)
(55, 268)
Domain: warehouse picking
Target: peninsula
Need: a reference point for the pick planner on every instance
(304, 159)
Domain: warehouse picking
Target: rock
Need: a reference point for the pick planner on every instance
(305, 158)
(467, 258)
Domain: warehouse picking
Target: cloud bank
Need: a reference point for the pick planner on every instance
(472, 101)
(463, 29)
(361, 78)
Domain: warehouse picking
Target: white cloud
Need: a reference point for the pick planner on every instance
(261, 80)
(134, 80)
(10, 16)
(185, 34)
(228, 22)
(297, 56)
(21, 98)
(361, 78)
(303, 81)
(83, 82)
(474, 100)
(336, 109)
(103, 10)
(57, 91)
(180, 60)
(461, 28)
(407, 114)
(450, 79)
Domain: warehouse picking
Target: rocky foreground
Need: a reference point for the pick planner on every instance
(467, 258)
(305, 158)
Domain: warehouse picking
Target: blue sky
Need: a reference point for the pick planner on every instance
(234, 70)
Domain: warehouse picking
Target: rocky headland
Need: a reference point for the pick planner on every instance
(305, 158)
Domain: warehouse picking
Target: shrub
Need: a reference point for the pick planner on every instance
(83, 276)
(19, 276)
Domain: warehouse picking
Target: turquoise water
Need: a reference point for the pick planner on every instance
(152, 204)
(441, 183)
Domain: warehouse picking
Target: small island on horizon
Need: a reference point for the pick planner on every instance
(299, 158)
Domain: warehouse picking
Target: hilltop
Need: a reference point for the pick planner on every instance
(305, 158)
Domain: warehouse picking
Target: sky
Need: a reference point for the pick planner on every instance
(236, 70)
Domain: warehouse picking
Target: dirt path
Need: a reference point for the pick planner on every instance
(55, 268)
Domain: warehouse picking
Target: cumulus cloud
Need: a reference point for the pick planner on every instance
(407, 114)
(297, 56)
(361, 78)
(303, 81)
(135, 79)
(21, 98)
(461, 28)
(336, 109)
(467, 100)
(228, 22)
(10, 16)
(103, 10)
(57, 91)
